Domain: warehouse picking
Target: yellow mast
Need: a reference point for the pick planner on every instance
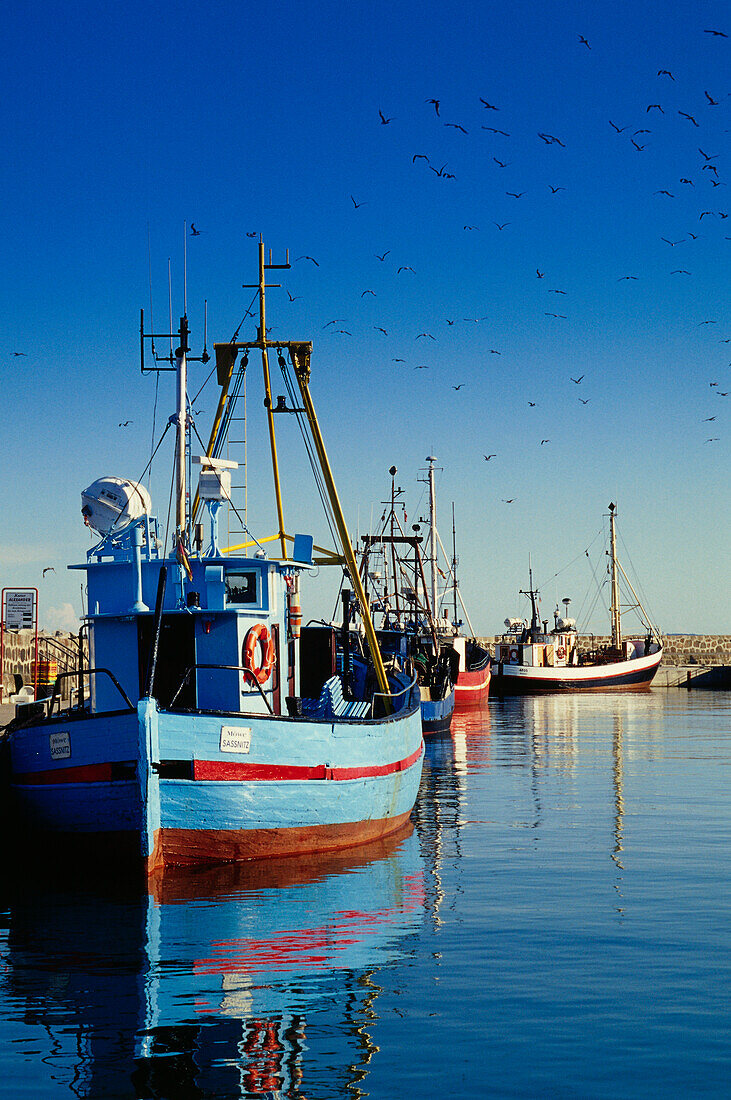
(300, 354)
(268, 390)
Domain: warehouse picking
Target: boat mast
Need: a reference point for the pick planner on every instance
(181, 416)
(454, 563)
(614, 606)
(263, 343)
(432, 535)
(535, 622)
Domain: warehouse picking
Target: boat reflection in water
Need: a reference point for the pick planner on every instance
(203, 985)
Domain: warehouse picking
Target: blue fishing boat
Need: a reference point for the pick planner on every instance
(206, 728)
(394, 582)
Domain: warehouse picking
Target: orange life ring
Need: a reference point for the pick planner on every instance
(258, 634)
(560, 653)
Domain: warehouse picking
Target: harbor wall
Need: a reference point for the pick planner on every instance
(678, 649)
(18, 656)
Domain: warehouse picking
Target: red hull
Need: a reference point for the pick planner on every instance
(188, 847)
(471, 689)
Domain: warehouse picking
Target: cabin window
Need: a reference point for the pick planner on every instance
(241, 587)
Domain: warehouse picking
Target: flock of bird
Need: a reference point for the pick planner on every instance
(701, 179)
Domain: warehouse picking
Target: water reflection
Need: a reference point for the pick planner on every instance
(204, 985)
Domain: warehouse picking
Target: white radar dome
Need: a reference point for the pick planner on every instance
(113, 502)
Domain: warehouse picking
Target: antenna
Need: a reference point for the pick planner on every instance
(185, 268)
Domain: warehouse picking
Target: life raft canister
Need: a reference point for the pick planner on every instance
(259, 635)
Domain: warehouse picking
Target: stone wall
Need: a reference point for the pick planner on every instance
(19, 655)
(678, 649)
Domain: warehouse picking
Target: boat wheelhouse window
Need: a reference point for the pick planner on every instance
(241, 587)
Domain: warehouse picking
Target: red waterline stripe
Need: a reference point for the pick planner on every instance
(228, 770)
(83, 773)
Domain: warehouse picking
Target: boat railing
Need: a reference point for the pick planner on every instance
(56, 694)
(227, 668)
(393, 695)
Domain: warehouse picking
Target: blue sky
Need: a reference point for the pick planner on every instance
(121, 121)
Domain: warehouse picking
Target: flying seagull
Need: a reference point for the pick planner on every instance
(385, 121)
(577, 380)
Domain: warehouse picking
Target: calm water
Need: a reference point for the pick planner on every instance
(557, 925)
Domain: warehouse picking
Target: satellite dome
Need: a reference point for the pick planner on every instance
(113, 502)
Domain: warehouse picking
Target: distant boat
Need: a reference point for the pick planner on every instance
(531, 659)
(393, 578)
(473, 679)
(207, 730)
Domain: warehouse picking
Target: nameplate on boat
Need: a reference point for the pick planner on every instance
(235, 739)
(60, 744)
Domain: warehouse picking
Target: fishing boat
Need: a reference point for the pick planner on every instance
(473, 678)
(530, 658)
(206, 729)
(395, 587)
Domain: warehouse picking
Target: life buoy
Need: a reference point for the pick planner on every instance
(514, 656)
(259, 635)
(560, 653)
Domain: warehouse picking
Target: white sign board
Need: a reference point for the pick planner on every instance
(235, 739)
(20, 609)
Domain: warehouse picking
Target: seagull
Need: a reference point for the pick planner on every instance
(193, 231)
(494, 351)
(664, 193)
(532, 404)
(419, 156)
(17, 353)
(619, 129)
(680, 271)
(550, 139)
(369, 292)
(711, 102)
(425, 334)
(540, 273)
(665, 72)
(404, 269)
(708, 420)
(385, 121)
(470, 227)
(555, 190)
(503, 226)
(488, 106)
(511, 501)
(714, 439)
(584, 401)
(456, 126)
(500, 163)
(435, 102)
(714, 156)
(422, 366)
(124, 423)
(294, 297)
(488, 457)
(577, 380)
(545, 441)
(337, 321)
(689, 117)
(583, 42)
(48, 569)
(383, 257)
(459, 387)
(623, 277)
(398, 360)
(357, 204)
(656, 106)
(639, 148)
(379, 329)
(672, 243)
(718, 34)
(307, 258)
(562, 316)
(515, 195)
(492, 130)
